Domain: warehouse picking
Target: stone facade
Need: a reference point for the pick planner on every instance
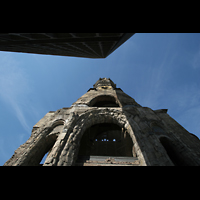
(107, 127)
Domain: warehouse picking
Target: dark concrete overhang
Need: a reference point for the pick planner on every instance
(87, 45)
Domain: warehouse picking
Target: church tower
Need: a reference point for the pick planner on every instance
(106, 127)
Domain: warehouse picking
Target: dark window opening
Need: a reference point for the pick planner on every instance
(105, 104)
(172, 152)
(104, 101)
(106, 139)
(47, 149)
(44, 146)
(104, 87)
(38, 152)
(49, 143)
(46, 152)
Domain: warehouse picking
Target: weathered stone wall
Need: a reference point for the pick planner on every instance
(103, 115)
(39, 143)
(158, 140)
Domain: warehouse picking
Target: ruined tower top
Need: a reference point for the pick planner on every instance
(107, 127)
(104, 83)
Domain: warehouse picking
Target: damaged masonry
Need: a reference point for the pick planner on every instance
(106, 127)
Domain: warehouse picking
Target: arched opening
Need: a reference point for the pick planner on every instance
(86, 135)
(50, 140)
(106, 144)
(43, 146)
(38, 151)
(106, 139)
(172, 152)
(45, 151)
(104, 101)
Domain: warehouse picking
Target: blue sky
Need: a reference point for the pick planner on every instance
(159, 70)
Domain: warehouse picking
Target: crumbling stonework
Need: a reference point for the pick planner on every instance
(112, 123)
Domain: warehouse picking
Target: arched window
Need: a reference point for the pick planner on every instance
(172, 152)
(44, 152)
(106, 139)
(43, 146)
(104, 101)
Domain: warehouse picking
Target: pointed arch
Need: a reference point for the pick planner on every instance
(43, 144)
(104, 101)
(69, 153)
(106, 139)
(172, 151)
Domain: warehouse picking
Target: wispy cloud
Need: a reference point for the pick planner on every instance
(196, 60)
(186, 96)
(14, 86)
(158, 75)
